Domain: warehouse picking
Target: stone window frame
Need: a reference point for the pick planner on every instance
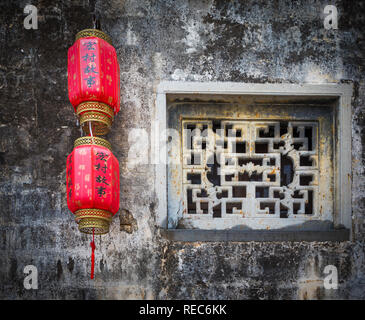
(343, 160)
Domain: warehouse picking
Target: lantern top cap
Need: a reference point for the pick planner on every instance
(88, 140)
(93, 33)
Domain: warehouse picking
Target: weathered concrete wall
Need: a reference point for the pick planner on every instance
(248, 41)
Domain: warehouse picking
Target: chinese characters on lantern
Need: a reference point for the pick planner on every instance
(90, 69)
(101, 168)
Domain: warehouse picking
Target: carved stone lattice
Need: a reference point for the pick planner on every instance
(250, 168)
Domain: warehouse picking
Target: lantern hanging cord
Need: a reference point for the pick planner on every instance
(91, 133)
(92, 245)
(96, 22)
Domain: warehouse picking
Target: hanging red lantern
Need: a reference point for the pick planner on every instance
(94, 80)
(92, 184)
(92, 179)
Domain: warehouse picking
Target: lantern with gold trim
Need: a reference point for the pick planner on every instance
(92, 185)
(92, 178)
(94, 80)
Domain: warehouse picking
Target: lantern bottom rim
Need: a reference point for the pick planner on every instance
(90, 225)
(99, 114)
(100, 123)
(95, 106)
(93, 220)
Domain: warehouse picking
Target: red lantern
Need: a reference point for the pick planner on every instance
(94, 80)
(92, 178)
(92, 184)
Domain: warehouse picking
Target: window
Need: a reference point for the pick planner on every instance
(260, 169)
(252, 163)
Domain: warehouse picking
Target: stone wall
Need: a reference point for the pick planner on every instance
(243, 41)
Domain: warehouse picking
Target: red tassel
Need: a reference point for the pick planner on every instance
(92, 245)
